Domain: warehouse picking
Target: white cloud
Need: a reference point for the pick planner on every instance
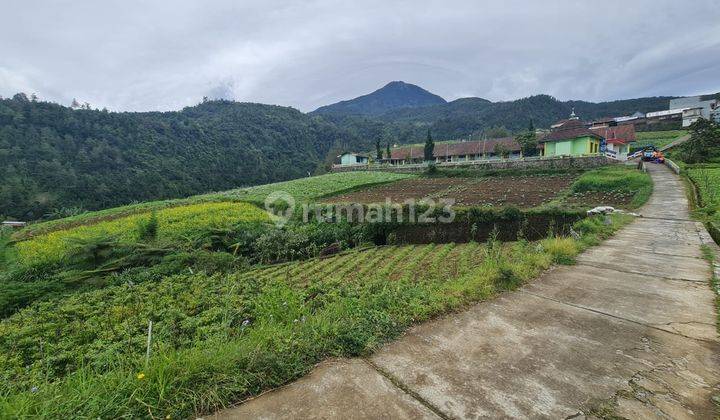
(138, 55)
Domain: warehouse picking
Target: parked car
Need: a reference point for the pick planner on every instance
(648, 153)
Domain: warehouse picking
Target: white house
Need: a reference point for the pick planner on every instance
(348, 158)
(616, 139)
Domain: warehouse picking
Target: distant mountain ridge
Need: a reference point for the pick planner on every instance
(394, 95)
(466, 116)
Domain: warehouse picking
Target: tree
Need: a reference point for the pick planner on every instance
(429, 147)
(531, 127)
(501, 150)
(528, 143)
(378, 150)
(704, 143)
(387, 150)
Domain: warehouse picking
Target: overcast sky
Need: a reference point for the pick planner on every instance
(163, 55)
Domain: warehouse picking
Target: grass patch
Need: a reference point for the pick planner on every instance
(618, 185)
(223, 337)
(710, 255)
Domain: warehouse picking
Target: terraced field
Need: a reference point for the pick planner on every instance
(518, 191)
(119, 314)
(302, 190)
(174, 224)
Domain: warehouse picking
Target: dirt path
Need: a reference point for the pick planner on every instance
(629, 331)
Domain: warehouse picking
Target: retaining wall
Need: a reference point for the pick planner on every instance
(567, 162)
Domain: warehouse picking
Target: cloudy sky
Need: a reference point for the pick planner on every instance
(163, 55)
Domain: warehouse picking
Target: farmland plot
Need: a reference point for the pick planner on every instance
(519, 191)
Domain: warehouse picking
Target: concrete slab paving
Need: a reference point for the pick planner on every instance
(629, 332)
(670, 305)
(336, 389)
(523, 356)
(635, 261)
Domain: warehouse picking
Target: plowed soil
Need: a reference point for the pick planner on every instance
(518, 191)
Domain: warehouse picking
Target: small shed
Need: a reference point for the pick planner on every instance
(349, 158)
(13, 224)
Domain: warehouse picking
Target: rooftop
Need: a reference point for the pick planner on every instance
(477, 147)
(568, 129)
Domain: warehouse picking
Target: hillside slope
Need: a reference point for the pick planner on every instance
(53, 156)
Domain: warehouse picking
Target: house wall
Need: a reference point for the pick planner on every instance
(573, 147)
(618, 151)
(347, 160)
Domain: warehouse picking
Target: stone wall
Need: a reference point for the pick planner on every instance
(564, 162)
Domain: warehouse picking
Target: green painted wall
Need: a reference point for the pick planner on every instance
(549, 149)
(573, 147)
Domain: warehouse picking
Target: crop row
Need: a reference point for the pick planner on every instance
(221, 338)
(707, 179)
(174, 224)
(302, 190)
(54, 338)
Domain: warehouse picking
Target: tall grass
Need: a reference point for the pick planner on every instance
(4, 240)
(171, 224)
(222, 338)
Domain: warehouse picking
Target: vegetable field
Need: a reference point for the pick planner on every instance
(302, 190)
(309, 189)
(707, 179)
(519, 191)
(174, 224)
(618, 186)
(223, 337)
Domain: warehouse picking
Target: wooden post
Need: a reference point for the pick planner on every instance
(149, 342)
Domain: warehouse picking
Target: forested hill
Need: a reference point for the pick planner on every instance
(53, 157)
(466, 116)
(394, 95)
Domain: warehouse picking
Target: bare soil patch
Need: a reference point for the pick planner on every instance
(518, 191)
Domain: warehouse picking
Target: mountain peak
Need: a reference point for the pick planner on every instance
(394, 95)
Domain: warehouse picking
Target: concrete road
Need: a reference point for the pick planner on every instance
(629, 331)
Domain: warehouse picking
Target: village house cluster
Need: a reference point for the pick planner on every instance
(570, 137)
(609, 136)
